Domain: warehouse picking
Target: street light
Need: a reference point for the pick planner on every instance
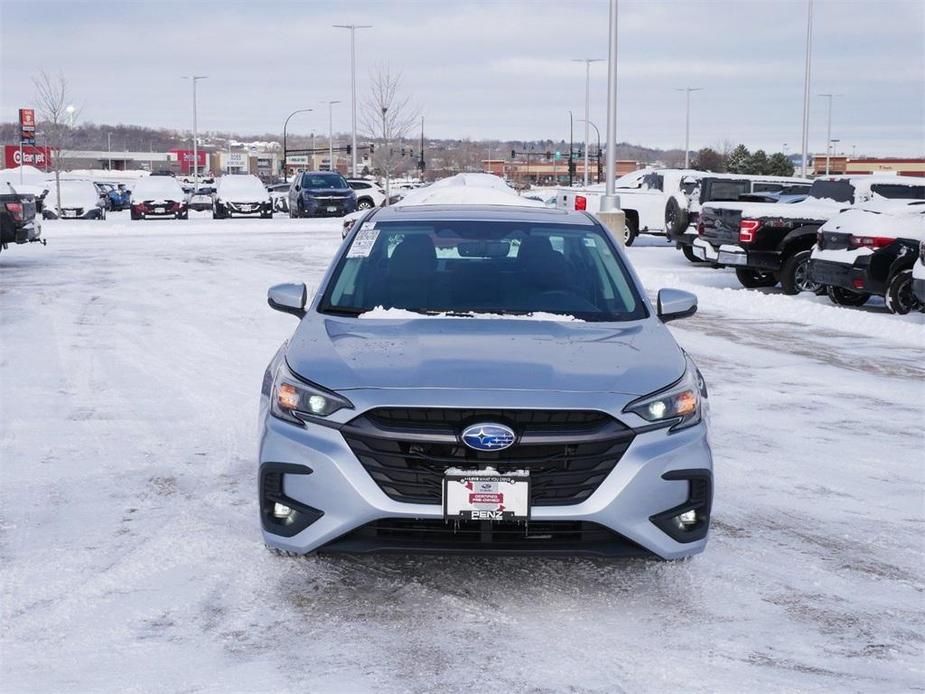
(687, 122)
(353, 89)
(71, 111)
(610, 203)
(598, 144)
(807, 76)
(194, 79)
(587, 62)
(331, 133)
(109, 148)
(285, 124)
(828, 134)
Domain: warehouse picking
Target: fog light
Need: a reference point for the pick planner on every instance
(688, 517)
(281, 510)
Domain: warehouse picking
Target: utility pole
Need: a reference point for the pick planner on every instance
(807, 79)
(421, 162)
(331, 134)
(109, 150)
(571, 146)
(598, 150)
(353, 90)
(587, 62)
(610, 202)
(194, 79)
(828, 135)
(285, 125)
(687, 123)
(387, 157)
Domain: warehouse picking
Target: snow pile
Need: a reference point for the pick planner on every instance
(467, 189)
(403, 314)
(30, 174)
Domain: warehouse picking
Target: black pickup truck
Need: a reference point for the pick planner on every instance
(18, 223)
(768, 243)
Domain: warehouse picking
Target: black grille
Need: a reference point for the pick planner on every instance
(544, 537)
(568, 453)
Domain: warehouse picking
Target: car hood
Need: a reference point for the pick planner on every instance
(485, 354)
(327, 191)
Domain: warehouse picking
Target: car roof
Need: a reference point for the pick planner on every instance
(487, 213)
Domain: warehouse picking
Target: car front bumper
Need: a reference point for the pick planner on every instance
(341, 503)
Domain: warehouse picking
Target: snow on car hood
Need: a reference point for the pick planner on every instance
(74, 194)
(241, 189)
(157, 188)
(905, 221)
(469, 353)
(811, 208)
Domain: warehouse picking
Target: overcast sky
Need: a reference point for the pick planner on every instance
(498, 69)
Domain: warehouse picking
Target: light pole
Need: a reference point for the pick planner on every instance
(828, 133)
(285, 124)
(831, 143)
(194, 79)
(109, 149)
(387, 158)
(331, 134)
(598, 145)
(687, 122)
(587, 62)
(610, 203)
(353, 90)
(807, 78)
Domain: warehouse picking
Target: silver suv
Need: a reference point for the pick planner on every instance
(488, 379)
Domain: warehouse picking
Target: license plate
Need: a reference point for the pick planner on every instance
(159, 210)
(332, 209)
(68, 213)
(486, 495)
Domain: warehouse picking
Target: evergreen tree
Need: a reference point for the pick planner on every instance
(738, 160)
(780, 165)
(709, 159)
(757, 163)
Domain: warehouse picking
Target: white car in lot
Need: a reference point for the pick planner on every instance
(241, 195)
(79, 200)
(369, 194)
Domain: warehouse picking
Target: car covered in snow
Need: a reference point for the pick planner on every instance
(769, 243)
(483, 378)
(201, 199)
(369, 194)
(242, 195)
(663, 202)
(80, 199)
(321, 194)
(159, 196)
(871, 251)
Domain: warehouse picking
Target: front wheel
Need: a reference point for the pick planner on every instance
(846, 297)
(899, 295)
(753, 279)
(365, 204)
(795, 276)
(630, 230)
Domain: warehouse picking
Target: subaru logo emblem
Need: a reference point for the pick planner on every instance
(488, 437)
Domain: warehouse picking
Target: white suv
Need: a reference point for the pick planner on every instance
(369, 195)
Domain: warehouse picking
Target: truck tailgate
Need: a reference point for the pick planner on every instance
(720, 225)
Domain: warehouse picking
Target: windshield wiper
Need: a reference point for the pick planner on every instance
(343, 310)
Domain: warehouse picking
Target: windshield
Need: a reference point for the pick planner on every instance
(471, 267)
(839, 191)
(158, 187)
(323, 181)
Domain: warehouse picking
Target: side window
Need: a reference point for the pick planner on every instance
(653, 181)
(895, 190)
(767, 187)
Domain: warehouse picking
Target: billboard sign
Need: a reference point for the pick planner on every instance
(27, 125)
(185, 158)
(39, 157)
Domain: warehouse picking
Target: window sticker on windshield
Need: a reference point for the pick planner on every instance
(590, 243)
(363, 244)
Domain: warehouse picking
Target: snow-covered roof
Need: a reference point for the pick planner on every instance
(467, 189)
(905, 220)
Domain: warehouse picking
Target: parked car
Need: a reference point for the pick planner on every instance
(241, 195)
(918, 275)
(321, 194)
(80, 199)
(279, 194)
(369, 194)
(871, 250)
(665, 201)
(201, 200)
(18, 220)
(159, 197)
(771, 243)
(537, 383)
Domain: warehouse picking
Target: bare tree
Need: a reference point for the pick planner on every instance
(387, 116)
(56, 115)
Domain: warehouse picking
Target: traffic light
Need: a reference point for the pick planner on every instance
(349, 149)
(513, 154)
(548, 155)
(372, 148)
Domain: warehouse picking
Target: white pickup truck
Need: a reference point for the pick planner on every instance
(665, 201)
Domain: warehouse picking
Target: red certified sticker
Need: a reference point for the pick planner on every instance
(486, 498)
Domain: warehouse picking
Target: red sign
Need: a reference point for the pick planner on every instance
(39, 157)
(27, 123)
(185, 157)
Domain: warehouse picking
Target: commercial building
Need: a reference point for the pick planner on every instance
(842, 165)
(551, 172)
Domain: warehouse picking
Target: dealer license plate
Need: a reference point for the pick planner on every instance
(332, 209)
(486, 495)
(159, 210)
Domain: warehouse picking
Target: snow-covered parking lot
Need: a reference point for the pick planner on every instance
(130, 551)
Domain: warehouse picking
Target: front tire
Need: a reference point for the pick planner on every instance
(630, 229)
(794, 275)
(845, 297)
(753, 279)
(899, 296)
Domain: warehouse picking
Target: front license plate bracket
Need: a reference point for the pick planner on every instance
(486, 495)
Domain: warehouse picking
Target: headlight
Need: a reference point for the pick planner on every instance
(296, 400)
(679, 405)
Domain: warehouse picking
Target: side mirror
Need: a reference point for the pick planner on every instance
(288, 298)
(674, 304)
(297, 187)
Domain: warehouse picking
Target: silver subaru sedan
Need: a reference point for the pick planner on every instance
(483, 379)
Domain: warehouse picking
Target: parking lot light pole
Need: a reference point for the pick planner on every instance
(353, 90)
(285, 125)
(598, 145)
(828, 134)
(331, 134)
(687, 123)
(587, 62)
(609, 202)
(194, 79)
(109, 149)
(807, 78)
